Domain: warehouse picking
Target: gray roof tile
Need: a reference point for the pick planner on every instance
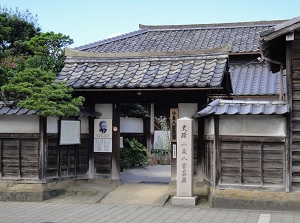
(244, 38)
(235, 107)
(255, 79)
(141, 72)
(5, 110)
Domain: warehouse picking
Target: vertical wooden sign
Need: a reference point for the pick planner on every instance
(173, 124)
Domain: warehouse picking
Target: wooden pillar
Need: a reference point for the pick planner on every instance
(216, 151)
(115, 160)
(42, 149)
(91, 167)
(289, 119)
(200, 142)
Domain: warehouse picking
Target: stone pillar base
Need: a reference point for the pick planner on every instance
(185, 201)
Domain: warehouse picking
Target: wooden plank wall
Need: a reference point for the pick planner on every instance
(67, 161)
(295, 116)
(19, 156)
(208, 155)
(252, 163)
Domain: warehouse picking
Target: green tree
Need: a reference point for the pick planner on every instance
(30, 61)
(36, 90)
(48, 50)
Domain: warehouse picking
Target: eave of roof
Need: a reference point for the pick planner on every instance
(6, 110)
(237, 107)
(151, 71)
(280, 29)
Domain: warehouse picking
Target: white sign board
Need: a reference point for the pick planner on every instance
(69, 132)
(103, 135)
(103, 145)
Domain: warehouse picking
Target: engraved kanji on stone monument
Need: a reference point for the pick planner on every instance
(184, 195)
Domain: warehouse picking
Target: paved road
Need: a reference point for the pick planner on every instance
(76, 209)
(45, 212)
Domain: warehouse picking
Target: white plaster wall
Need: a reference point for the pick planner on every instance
(209, 128)
(19, 124)
(52, 124)
(188, 110)
(84, 123)
(253, 125)
(131, 125)
(105, 109)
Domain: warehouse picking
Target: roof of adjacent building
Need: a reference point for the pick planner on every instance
(283, 28)
(255, 79)
(7, 110)
(273, 43)
(237, 107)
(148, 70)
(243, 36)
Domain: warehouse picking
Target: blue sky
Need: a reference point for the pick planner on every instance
(87, 21)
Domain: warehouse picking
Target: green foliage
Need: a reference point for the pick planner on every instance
(48, 50)
(16, 27)
(134, 153)
(133, 110)
(29, 63)
(35, 89)
(162, 148)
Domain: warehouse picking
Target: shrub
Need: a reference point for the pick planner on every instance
(134, 153)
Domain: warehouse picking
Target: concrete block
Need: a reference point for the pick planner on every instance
(185, 201)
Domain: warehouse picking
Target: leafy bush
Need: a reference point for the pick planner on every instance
(134, 153)
(162, 148)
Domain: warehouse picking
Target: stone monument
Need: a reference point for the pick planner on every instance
(185, 158)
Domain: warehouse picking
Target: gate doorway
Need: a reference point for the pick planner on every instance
(156, 174)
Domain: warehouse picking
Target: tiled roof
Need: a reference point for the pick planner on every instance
(243, 36)
(281, 27)
(255, 79)
(151, 71)
(232, 107)
(5, 110)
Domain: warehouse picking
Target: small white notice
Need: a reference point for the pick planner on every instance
(69, 132)
(103, 145)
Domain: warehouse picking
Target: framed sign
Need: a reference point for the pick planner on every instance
(69, 132)
(103, 135)
(102, 128)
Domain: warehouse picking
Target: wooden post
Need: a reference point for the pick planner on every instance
(216, 152)
(115, 160)
(42, 149)
(289, 124)
(91, 168)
